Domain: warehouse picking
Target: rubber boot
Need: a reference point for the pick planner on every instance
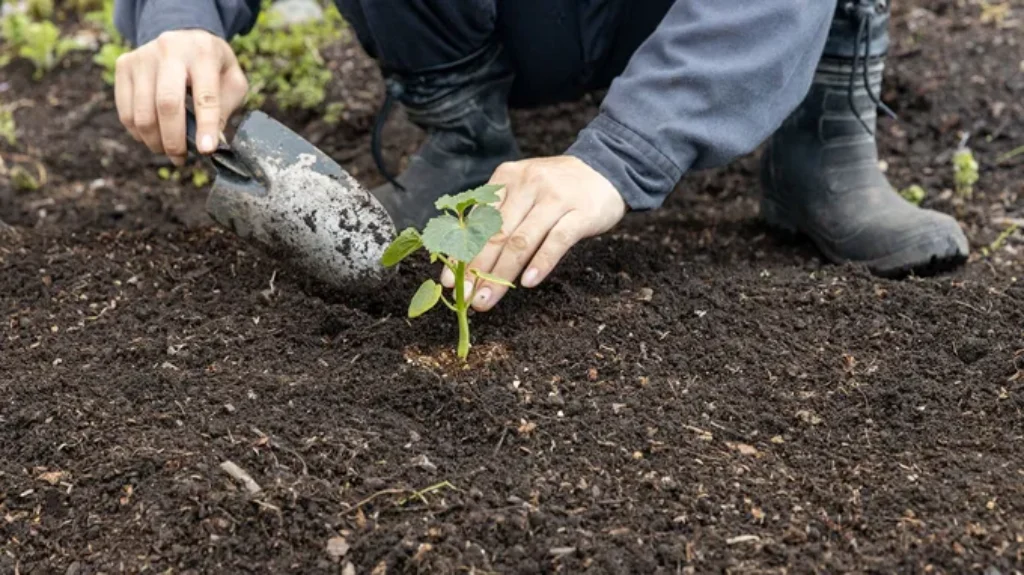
(820, 173)
(464, 110)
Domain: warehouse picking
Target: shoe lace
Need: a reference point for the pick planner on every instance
(863, 12)
(392, 93)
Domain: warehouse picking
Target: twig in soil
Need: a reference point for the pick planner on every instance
(501, 442)
(419, 494)
(414, 495)
(1010, 155)
(83, 113)
(241, 476)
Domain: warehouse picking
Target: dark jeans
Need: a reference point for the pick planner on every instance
(560, 49)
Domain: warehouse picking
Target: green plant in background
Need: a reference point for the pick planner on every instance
(914, 194)
(333, 112)
(12, 30)
(1000, 240)
(284, 62)
(8, 129)
(107, 57)
(40, 9)
(44, 47)
(114, 45)
(965, 172)
(454, 238)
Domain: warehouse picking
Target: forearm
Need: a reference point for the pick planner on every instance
(712, 82)
(141, 21)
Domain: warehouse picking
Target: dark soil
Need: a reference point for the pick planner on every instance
(688, 394)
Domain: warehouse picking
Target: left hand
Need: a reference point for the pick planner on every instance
(547, 206)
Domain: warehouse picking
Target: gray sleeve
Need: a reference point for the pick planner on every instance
(141, 21)
(713, 82)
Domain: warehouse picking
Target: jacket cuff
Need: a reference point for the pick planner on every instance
(641, 173)
(159, 16)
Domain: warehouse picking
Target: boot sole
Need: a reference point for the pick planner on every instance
(777, 218)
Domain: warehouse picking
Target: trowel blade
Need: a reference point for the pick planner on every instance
(302, 206)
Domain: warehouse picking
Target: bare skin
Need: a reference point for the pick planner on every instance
(547, 205)
(150, 88)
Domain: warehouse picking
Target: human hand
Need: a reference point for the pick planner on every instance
(150, 87)
(547, 206)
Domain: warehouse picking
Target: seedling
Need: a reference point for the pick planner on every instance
(8, 129)
(914, 194)
(107, 59)
(453, 238)
(44, 47)
(965, 172)
(998, 243)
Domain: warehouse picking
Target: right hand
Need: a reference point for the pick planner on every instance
(151, 83)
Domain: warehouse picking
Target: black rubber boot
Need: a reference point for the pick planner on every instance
(464, 109)
(820, 173)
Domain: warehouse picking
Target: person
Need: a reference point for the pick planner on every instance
(691, 85)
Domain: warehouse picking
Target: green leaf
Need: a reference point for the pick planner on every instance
(462, 240)
(406, 243)
(491, 278)
(425, 299)
(483, 195)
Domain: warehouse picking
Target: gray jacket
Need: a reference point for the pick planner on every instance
(715, 79)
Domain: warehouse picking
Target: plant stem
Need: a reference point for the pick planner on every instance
(462, 309)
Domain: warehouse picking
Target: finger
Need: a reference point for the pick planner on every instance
(518, 250)
(144, 106)
(123, 92)
(234, 88)
(205, 77)
(516, 204)
(563, 236)
(171, 79)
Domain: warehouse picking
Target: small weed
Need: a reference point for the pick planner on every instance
(23, 180)
(994, 13)
(965, 172)
(454, 238)
(168, 174)
(332, 115)
(1010, 155)
(107, 57)
(8, 129)
(200, 177)
(914, 194)
(998, 243)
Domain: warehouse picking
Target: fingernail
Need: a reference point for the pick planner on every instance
(482, 297)
(468, 287)
(530, 277)
(206, 145)
(447, 278)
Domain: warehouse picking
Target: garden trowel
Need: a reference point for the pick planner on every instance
(278, 190)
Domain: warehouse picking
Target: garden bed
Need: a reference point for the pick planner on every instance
(688, 392)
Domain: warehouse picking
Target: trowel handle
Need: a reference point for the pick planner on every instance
(223, 158)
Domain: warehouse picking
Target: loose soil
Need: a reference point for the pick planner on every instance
(688, 394)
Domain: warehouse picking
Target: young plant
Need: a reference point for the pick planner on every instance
(284, 61)
(453, 238)
(44, 47)
(914, 194)
(965, 172)
(107, 57)
(8, 129)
